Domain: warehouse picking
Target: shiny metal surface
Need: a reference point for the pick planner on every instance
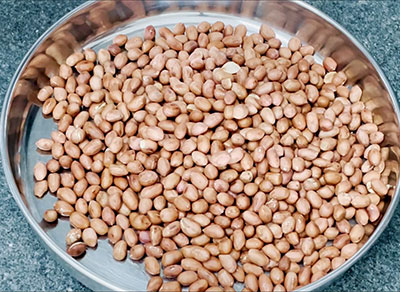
(93, 25)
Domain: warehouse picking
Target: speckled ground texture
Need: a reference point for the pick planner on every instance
(26, 265)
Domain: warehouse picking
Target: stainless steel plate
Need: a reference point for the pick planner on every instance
(94, 25)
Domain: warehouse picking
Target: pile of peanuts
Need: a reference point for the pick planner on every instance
(214, 156)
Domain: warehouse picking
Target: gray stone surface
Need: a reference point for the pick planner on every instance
(26, 265)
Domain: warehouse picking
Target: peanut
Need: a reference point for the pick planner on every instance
(216, 152)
